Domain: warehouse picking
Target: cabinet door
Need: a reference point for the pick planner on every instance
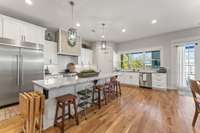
(86, 56)
(1, 27)
(12, 29)
(90, 57)
(34, 34)
(83, 62)
(50, 53)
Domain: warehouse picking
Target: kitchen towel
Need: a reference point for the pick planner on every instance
(144, 77)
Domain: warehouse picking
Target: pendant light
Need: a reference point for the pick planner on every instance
(103, 42)
(72, 32)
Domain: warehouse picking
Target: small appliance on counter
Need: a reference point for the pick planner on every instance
(162, 70)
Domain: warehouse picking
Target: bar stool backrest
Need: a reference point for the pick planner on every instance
(195, 88)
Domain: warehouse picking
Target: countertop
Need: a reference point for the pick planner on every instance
(69, 81)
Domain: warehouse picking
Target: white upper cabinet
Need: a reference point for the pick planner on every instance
(50, 53)
(23, 31)
(12, 29)
(86, 57)
(1, 27)
(34, 34)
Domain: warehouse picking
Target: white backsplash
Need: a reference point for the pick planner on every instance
(62, 63)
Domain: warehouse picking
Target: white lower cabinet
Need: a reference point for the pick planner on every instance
(129, 78)
(159, 81)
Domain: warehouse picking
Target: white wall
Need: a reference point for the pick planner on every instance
(164, 41)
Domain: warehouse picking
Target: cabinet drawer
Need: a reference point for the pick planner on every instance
(159, 75)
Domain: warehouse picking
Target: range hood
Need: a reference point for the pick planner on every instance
(64, 48)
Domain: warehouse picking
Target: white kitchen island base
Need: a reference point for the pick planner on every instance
(53, 88)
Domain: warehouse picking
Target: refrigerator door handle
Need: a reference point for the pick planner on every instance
(18, 71)
(22, 72)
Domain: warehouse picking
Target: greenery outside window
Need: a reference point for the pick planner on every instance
(140, 60)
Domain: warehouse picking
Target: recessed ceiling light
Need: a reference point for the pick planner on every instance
(123, 30)
(78, 24)
(154, 21)
(102, 36)
(29, 2)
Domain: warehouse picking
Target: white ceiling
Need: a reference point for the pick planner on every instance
(134, 15)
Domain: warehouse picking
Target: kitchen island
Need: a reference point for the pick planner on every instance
(54, 87)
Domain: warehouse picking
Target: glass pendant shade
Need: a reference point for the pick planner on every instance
(103, 44)
(72, 36)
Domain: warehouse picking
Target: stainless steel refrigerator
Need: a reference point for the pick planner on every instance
(20, 63)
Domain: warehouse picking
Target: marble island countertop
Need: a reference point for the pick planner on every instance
(69, 81)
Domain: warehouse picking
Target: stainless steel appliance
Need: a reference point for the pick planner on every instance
(145, 79)
(20, 63)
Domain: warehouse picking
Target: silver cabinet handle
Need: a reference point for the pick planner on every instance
(18, 76)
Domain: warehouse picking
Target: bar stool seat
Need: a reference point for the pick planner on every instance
(62, 102)
(66, 98)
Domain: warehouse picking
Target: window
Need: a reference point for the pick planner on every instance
(141, 60)
(186, 64)
(189, 62)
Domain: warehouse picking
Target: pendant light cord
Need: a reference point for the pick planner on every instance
(72, 4)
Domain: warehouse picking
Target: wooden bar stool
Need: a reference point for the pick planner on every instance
(117, 85)
(194, 85)
(98, 89)
(62, 102)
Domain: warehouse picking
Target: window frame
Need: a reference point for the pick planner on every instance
(143, 51)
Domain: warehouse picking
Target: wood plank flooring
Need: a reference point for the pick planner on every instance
(9, 112)
(139, 111)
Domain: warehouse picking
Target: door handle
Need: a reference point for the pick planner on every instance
(18, 76)
(22, 72)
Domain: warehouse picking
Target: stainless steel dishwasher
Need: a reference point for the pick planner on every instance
(145, 79)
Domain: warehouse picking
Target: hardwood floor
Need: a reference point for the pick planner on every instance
(139, 111)
(9, 112)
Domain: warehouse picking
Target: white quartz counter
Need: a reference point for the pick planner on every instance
(69, 81)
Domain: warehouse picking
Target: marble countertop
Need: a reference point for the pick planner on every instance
(69, 81)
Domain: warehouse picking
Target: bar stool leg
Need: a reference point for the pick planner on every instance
(119, 85)
(69, 110)
(76, 114)
(116, 88)
(99, 98)
(56, 115)
(63, 118)
(93, 95)
(105, 97)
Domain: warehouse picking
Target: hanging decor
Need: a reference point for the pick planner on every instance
(72, 32)
(103, 42)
